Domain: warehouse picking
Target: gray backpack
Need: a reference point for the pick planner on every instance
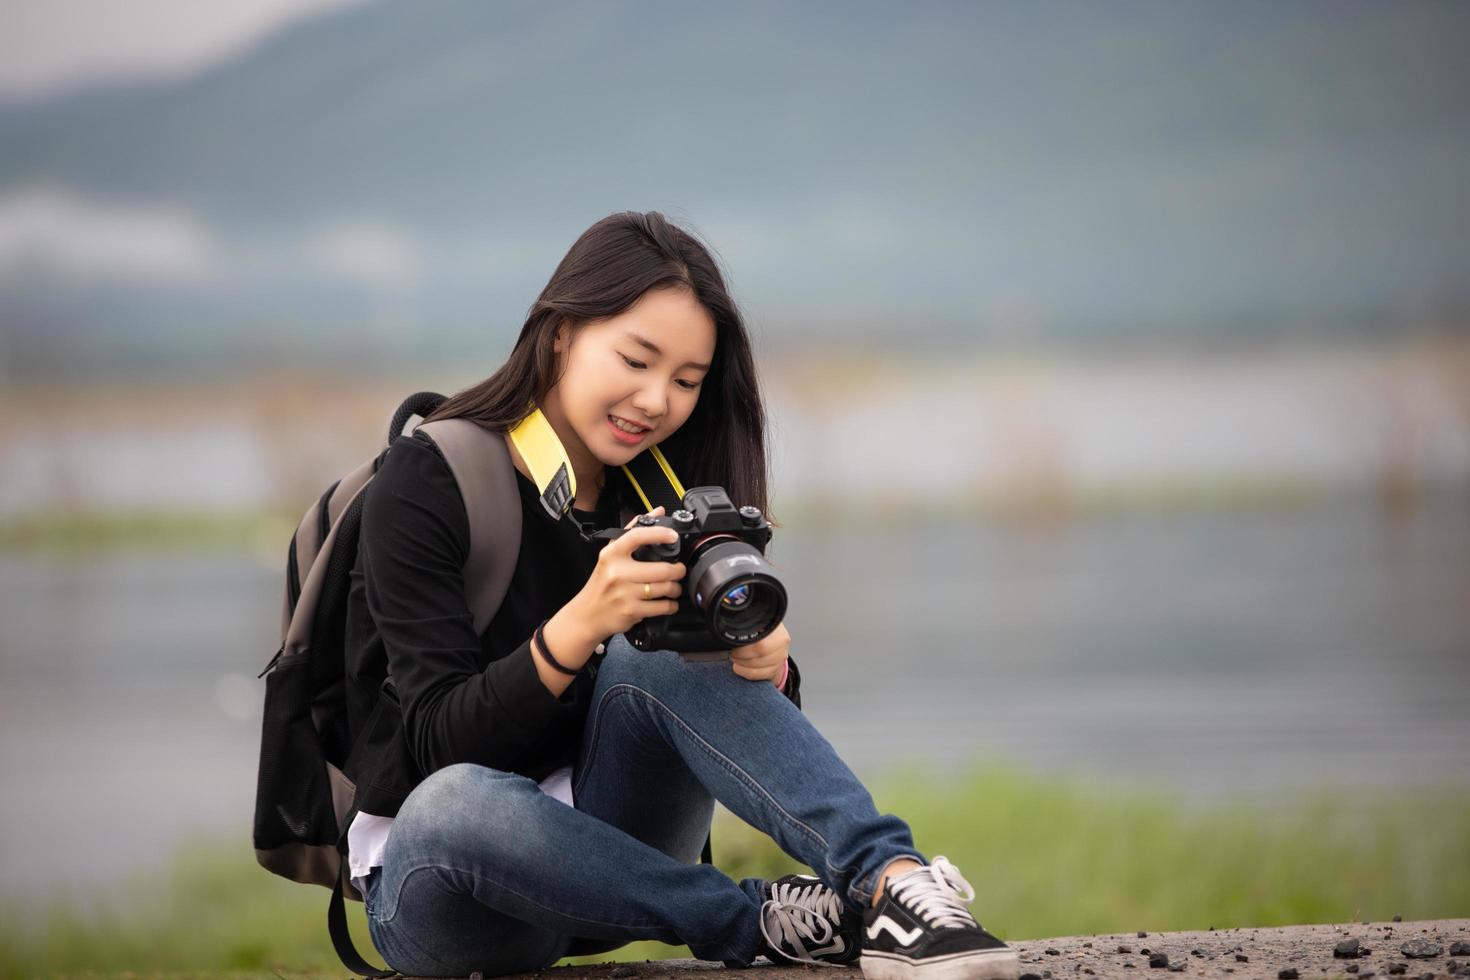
(305, 800)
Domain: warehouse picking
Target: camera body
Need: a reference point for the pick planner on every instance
(731, 595)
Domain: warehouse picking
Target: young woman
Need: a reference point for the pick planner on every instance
(556, 786)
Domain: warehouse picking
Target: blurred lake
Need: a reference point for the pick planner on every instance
(1224, 654)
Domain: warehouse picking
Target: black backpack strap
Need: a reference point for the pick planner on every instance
(337, 917)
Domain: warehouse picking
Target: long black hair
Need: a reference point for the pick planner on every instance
(607, 269)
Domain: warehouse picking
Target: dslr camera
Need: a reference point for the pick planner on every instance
(732, 596)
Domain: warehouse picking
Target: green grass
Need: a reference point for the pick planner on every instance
(1046, 856)
(73, 533)
(81, 534)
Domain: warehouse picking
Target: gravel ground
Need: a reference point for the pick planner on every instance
(1413, 950)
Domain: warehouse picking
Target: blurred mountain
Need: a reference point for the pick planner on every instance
(407, 175)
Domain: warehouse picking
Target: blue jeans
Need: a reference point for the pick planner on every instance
(482, 871)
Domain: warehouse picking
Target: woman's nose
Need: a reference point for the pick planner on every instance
(651, 401)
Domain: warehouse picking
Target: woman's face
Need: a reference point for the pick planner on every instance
(645, 366)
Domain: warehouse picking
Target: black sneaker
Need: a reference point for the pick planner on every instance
(804, 921)
(921, 930)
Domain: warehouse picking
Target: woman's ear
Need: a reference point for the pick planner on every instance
(565, 334)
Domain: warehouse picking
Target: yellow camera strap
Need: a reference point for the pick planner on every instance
(649, 473)
(653, 479)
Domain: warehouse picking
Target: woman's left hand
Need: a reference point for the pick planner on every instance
(765, 659)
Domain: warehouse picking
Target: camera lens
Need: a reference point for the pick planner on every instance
(737, 590)
(755, 614)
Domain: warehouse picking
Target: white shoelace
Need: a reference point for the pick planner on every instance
(937, 892)
(802, 912)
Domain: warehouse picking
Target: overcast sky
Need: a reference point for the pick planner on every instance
(48, 45)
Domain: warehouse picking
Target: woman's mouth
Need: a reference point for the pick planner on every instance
(625, 436)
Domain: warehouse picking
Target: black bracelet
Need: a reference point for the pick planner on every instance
(540, 640)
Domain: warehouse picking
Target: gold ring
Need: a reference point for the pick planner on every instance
(647, 591)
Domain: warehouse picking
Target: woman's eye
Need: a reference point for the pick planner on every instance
(639, 366)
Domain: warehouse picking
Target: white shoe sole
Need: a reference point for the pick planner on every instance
(987, 964)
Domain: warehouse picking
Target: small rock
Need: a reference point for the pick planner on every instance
(1397, 969)
(1421, 949)
(1145, 951)
(1346, 950)
(1158, 961)
(1398, 918)
(1426, 976)
(1030, 976)
(1125, 949)
(1197, 952)
(1460, 949)
(1053, 952)
(1366, 974)
(1088, 969)
(1176, 967)
(1087, 945)
(1289, 974)
(622, 971)
(1242, 958)
(1351, 968)
(1142, 934)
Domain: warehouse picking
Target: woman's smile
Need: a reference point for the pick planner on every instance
(624, 435)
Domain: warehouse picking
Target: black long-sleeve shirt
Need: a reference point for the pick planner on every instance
(461, 697)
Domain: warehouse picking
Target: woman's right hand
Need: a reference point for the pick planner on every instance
(613, 599)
